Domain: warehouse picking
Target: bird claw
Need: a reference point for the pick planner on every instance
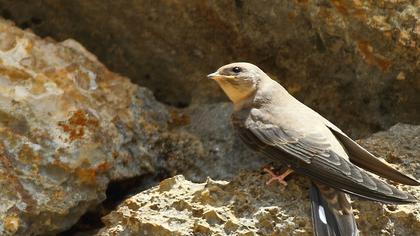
(279, 178)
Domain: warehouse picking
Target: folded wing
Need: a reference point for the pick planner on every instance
(312, 155)
(363, 158)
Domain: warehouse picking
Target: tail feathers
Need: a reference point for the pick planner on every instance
(331, 212)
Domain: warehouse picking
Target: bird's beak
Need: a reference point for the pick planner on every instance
(213, 75)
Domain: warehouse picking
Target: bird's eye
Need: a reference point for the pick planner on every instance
(236, 69)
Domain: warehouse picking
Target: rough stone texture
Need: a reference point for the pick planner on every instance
(202, 143)
(68, 126)
(242, 207)
(340, 57)
(245, 206)
(400, 146)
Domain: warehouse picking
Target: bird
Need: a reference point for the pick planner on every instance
(271, 121)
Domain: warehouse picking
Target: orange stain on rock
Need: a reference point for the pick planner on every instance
(104, 166)
(80, 118)
(179, 119)
(382, 62)
(74, 132)
(75, 126)
(87, 176)
(27, 156)
(14, 74)
(370, 57)
(340, 7)
(350, 8)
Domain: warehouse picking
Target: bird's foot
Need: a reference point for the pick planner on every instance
(279, 178)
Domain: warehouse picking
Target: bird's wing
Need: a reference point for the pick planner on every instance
(311, 154)
(332, 214)
(363, 158)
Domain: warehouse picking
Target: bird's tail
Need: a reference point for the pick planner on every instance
(332, 214)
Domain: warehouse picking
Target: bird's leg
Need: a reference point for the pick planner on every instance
(279, 178)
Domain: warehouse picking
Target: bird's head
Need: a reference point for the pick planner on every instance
(238, 80)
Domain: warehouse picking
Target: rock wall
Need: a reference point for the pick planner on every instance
(340, 57)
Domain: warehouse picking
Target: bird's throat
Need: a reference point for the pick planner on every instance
(237, 94)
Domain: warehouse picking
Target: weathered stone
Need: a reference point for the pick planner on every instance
(354, 61)
(241, 207)
(205, 145)
(245, 206)
(68, 126)
(400, 146)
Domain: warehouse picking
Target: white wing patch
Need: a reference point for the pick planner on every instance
(321, 213)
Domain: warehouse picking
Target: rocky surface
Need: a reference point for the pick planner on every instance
(400, 146)
(202, 143)
(68, 126)
(245, 206)
(340, 57)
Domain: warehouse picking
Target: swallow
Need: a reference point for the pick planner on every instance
(271, 121)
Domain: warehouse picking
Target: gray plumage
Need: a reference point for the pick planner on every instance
(273, 122)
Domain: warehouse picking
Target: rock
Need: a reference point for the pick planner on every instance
(242, 207)
(341, 58)
(247, 207)
(400, 146)
(201, 143)
(68, 126)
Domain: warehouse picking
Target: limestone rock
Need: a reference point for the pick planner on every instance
(245, 206)
(339, 57)
(68, 126)
(242, 207)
